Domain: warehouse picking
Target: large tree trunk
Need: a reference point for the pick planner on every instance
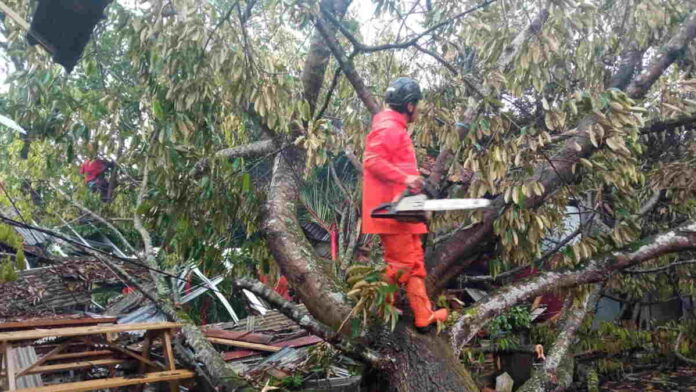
(422, 363)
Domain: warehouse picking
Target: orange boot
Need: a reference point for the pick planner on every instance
(420, 304)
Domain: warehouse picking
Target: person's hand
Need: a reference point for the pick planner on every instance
(415, 183)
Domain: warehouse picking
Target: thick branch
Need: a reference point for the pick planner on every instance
(677, 240)
(347, 66)
(290, 247)
(306, 321)
(689, 123)
(251, 150)
(668, 54)
(552, 174)
(630, 62)
(320, 53)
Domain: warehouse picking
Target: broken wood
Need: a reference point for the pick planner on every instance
(91, 385)
(48, 323)
(135, 356)
(42, 360)
(94, 353)
(238, 343)
(61, 367)
(79, 331)
(236, 335)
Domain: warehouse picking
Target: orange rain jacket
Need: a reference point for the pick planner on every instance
(389, 157)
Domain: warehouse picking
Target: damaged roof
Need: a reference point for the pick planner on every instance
(53, 290)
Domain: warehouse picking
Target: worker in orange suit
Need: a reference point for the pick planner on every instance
(390, 167)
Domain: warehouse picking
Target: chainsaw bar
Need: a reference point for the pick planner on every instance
(422, 203)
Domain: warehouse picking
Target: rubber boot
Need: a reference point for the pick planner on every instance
(423, 314)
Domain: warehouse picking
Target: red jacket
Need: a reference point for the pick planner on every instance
(389, 157)
(92, 169)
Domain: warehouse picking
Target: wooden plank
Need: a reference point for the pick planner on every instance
(169, 357)
(237, 343)
(239, 354)
(81, 331)
(115, 382)
(134, 355)
(299, 342)
(10, 373)
(236, 335)
(142, 367)
(62, 367)
(84, 354)
(13, 15)
(41, 360)
(48, 323)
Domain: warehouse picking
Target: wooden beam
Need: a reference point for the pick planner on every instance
(115, 382)
(84, 354)
(10, 366)
(169, 357)
(81, 331)
(43, 359)
(47, 323)
(61, 367)
(13, 15)
(135, 356)
(237, 343)
(236, 335)
(142, 368)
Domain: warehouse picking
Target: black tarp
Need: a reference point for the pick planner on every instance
(64, 27)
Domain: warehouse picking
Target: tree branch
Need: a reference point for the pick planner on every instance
(551, 174)
(677, 240)
(360, 47)
(669, 53)
(319, 54)
(547, 377)
(659, 269)
(251, 150)
(347, 66)
(471, 112)
(306, 321)
(689, 123)
(95, 216)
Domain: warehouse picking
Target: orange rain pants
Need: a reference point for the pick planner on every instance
(404, 256)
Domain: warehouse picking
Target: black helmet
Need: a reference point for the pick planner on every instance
(402, 91)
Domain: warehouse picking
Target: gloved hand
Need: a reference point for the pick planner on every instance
(415, 183)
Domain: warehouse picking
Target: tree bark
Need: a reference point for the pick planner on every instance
(251, 150)
(320, 53)
(424, 363)
(291, 249)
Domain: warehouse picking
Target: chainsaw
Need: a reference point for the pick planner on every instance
(416, 207)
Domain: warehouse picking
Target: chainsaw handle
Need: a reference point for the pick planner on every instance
(427, 189)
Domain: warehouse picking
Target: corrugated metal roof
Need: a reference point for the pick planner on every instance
(32, 237)
(24, 357)
(315, 232)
